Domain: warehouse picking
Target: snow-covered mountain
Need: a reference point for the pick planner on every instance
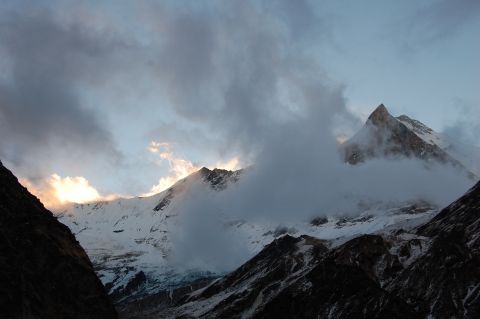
(384, 135)
(467, 155)
(131, 241)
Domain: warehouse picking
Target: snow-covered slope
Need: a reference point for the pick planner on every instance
(130, 241)
(467, 155)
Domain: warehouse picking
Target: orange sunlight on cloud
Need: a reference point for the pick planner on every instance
(57, 191)
(179, 168)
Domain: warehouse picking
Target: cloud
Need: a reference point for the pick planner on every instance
(230, 165)
(179, 168)
(225, 68)
(202, 241)
(41, 110)
(465, 128)
(56, 191)
(300, 176)
(68, 64)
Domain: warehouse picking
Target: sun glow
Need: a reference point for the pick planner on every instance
(73, 189)
(56, 191)
(179, 168)
(230, 165)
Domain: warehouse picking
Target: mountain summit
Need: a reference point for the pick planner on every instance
(384, 135)
(380, 115)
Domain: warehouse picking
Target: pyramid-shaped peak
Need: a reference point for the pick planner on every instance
(381, 110)
(380, 115)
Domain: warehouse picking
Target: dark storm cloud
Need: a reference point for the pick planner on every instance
(40, 108)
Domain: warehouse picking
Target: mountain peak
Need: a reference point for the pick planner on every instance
(386, 136)
(204, 171)
(380, 115)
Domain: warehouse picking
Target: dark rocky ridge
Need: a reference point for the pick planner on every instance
(445, 281)
(44, 272)
(219, 178)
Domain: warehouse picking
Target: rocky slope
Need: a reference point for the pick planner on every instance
(445, 281)
(432, 271)
(386, 136)
(467, 155)
(44, 272)
(293, 278)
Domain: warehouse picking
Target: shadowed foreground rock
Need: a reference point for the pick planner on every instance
(44, 272)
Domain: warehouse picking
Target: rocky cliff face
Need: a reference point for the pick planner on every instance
(44, 272)
(445, 281)
(432, 271)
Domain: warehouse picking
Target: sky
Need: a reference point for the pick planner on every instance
(107, 98)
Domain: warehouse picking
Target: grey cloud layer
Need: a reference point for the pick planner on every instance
(40, 108)
(227, 69)
(221, 70)
(235, 78)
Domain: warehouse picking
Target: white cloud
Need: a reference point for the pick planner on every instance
(56, 191)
